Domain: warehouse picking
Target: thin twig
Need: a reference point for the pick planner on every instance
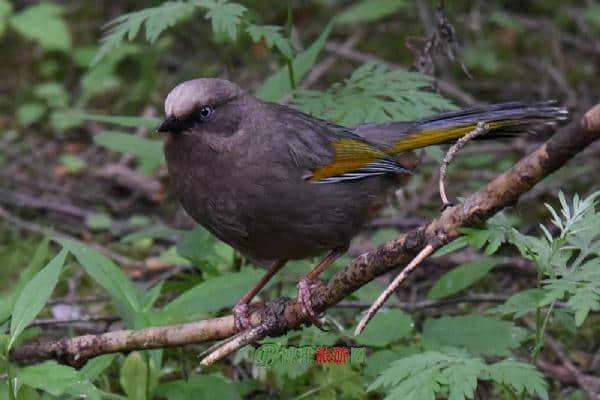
(423, 254)
(481, 129)
(229, 346)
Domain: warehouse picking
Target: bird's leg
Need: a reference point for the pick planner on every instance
(304, 284)
(240, 311)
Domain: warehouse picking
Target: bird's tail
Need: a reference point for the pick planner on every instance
(501, 118)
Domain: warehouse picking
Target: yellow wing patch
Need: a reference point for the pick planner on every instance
(419, 139)
(349, 155)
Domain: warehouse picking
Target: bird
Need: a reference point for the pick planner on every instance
(278, 184)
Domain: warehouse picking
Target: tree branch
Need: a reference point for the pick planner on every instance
(281, 315)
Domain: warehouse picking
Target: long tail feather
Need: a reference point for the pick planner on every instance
(501, 117)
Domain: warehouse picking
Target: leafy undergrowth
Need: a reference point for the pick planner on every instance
(496, 314)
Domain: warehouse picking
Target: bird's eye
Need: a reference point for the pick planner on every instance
(205, 113)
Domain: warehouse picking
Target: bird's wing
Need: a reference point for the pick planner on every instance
(332, 153)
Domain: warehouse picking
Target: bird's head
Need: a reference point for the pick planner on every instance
(202, 105)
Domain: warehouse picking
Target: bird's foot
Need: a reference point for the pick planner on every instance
(306, 303)
(240, 317)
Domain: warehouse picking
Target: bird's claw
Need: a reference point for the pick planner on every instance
(306, 303)
(240, 317)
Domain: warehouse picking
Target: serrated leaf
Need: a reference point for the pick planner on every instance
(461, 277)
(370, 10)
(373, 93)
(43, 23)
(34, 295)
(225, 17)
(520, 377)
(278, 84)
(154, 19)
(148, 151)
(476, 333)
(387, 326)
(422, 375)
(273, 38)
(476, 237)
(520, 303)
(454, 245)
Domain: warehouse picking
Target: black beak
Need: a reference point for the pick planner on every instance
(169, 124)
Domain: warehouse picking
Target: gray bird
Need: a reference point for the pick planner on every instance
(278, 184)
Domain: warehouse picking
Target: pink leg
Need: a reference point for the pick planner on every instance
(304, 283)
(240, 311)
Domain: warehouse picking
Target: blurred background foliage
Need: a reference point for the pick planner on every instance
(80, 163)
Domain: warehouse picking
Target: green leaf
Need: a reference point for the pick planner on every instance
(172, 256)
(211, 295)
(148, 151)
(34, 295)
(422, 376)
(5, 11)
(137, 382)
(278, 84)
(98, 221)
(72, 163)
(49, 376)
(198, 387)
(386, 327)
(273, 38)
(137, 221)
(373, 93)
(35, 264)
(196, 245)
(370, 10)
(521, 377)
(454, 374)
(153, 232)
(476, 333)
(592, 13)
(29, 113)
(125, 295)
(94, 367)
(62, 120)
(26, 392)
(151, 296)
(520, 303)
(53, 94)
(461, 277)
(454, 245)
(155, 20)
(44, 24)
(224, 16)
